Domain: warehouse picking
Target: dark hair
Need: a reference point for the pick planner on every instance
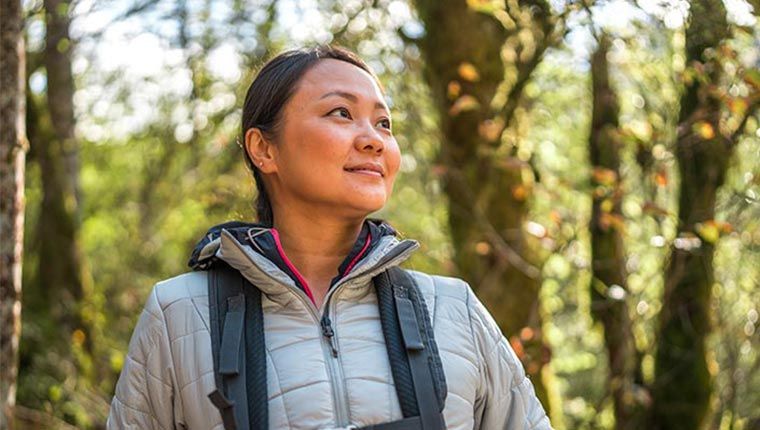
(270, 91)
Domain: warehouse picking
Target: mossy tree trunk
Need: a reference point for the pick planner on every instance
(682, 386)
(477, 64)
(13, 147)
(62, 276)
(609, 290)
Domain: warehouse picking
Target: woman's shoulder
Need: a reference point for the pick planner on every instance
(446, 297)
(440, 286)
(455, 298)
(186, 286)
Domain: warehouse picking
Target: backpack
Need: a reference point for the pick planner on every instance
(237, 341)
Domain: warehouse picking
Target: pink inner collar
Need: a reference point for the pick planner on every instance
(290, 265)
(301, 279)
(359, 255)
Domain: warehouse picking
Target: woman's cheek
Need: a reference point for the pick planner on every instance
(394, 157)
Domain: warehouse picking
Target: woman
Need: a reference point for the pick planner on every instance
(317, 135)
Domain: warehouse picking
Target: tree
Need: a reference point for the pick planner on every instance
(478, 61)
(61, 255)
(13, 147)
(683, 383)
(57, 288)
(608, 283)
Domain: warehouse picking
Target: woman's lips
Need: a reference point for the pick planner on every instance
(370, 169)
(366, 172)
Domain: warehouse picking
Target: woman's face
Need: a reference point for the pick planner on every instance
(335, 150)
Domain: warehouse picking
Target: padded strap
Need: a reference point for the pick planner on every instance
(430, 417)
(256, 359)
(237, 349)
(394, 344)
(428, 339)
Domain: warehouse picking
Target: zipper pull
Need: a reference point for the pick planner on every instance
(327, 331)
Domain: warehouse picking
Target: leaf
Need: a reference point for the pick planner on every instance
(615, 221)
(482, 248)
(604, 176)
(517, 346)
(555, 216)
(468, 72)
(464, 104)
(519, 192)
(453, 90)
(704, 129)
(526, 334)
(490, 129)
(708, 231)
(737, 106)
(78, 337)
(661, 178)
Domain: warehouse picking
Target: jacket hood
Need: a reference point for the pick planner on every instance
(204, 255)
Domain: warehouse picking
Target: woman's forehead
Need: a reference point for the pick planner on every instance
(330, 76)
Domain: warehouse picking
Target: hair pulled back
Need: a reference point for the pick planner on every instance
(269, 93)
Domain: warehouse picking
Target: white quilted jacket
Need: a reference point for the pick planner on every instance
(168, 372)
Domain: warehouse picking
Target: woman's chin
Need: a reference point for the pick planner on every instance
(366, 204)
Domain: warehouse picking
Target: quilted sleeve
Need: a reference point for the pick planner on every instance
(506, 398)
(144, 397)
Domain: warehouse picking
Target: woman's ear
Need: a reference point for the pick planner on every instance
(261, 150)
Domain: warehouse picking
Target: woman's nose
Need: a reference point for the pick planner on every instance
(370, 141)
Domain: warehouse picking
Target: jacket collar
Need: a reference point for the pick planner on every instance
(252, 250)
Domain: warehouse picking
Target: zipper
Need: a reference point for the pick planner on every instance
(340, 392)
(327, 331)
(335, 368)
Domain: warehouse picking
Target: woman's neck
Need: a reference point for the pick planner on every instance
(316, 247)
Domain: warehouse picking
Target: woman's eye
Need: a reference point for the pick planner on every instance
(385, 123)
(341, 111)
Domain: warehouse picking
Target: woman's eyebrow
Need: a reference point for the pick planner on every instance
(351, 97)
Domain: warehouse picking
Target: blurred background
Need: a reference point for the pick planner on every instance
(591, 167)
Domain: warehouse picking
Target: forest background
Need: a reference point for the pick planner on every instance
(591, 167)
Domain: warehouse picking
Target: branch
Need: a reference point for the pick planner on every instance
(135, 9)
(553, 33)
(588, 10)
(500, 245)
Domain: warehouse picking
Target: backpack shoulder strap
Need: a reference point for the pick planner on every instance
(237, 345)
(413, 354)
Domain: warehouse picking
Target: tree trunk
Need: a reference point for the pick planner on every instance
(60, 89)
(682, 383)
(61, 270)
(13, 147)
(487, 185)
(608, 287)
